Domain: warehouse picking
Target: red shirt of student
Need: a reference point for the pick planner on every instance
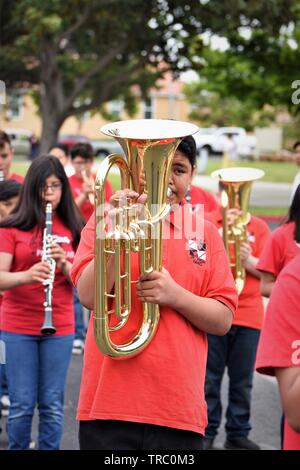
(250, 309)
(201, 196)
(279, 344)
(279, 250)
(87, 208)
(18, 178)
(19, 303)
(164, 385)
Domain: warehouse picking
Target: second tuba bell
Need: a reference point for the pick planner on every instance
(236, 186)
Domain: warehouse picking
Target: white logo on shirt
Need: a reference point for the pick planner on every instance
(296, 354)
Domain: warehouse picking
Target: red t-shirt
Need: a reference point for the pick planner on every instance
(250, 310)
(164, 385)
(279, 249)
(87, 208)
(18, 178)
(201, 196)
(22, 308)
(291, 438)
(279, 340)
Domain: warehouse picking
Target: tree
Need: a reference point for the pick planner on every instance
(78, 54)
(260, 67)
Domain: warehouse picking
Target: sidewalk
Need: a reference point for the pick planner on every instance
(263, 194)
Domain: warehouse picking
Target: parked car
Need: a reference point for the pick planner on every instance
(70, 139)
(213, 140)
(104, 147)
(20, 140)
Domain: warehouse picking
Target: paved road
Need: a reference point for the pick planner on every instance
(263, 194)
(265, 414)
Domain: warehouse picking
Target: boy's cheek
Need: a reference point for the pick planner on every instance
(5, 209)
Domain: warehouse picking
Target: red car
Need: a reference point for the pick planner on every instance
(71, 139)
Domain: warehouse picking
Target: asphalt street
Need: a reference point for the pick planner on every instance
(263, 194)
(265, 412)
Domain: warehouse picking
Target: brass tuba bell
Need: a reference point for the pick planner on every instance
(149, 146)
(236, 186)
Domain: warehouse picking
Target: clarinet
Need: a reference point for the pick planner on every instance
(1, 176)
(48, 328)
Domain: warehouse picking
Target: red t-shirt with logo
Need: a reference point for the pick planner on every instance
(279, 344)
(87, 208)
(164, 385)
(22, 309)
(18, 178)
(201, 196)
(250, 310)
(279, 249)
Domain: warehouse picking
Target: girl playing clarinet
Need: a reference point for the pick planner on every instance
(37, 364)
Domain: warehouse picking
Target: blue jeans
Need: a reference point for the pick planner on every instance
(36, 368)
(3, 380)
(78, 311)
(237, 351)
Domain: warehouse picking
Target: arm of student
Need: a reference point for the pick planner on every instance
(206, 314)
(250, 266)
(289, 387)
(267, 282)
(8, 280)
(79, 200)
(86, 283)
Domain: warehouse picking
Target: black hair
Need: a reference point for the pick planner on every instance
(4, 139)
(296, 144)
(60, 146)
(82, 149)
(29, 212)
(188, 147)
(294, 214)
(9, 189)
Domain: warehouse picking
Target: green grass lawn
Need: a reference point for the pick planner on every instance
(276, 172)
(269, 211)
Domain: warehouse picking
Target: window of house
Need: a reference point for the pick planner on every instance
(115, 108)
(15, 106)
(148, 109)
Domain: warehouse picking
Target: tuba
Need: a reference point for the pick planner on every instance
(236, 186)
(149, 146)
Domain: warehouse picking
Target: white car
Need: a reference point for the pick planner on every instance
(104, 147)
(214, 141)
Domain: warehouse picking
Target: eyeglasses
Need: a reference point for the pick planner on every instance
(81, 163)
(54, 187)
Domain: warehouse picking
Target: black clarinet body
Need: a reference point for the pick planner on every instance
(48, 328)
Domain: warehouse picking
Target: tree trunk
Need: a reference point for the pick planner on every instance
(52, 117)
(49, 136)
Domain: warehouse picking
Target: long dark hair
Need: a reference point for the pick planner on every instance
(294, 214)
(30, 211)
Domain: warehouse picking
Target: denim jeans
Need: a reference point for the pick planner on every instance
(237, 351)
(36, 368)
(3, 379)
(79, 323)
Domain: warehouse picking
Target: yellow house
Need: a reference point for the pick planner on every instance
(167, 102)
